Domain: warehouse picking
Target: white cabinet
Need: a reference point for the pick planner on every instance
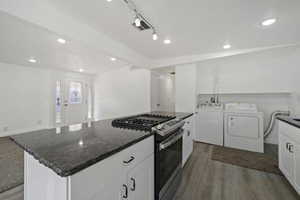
(127, 175)
(289, 153)
(187, 142)
(297, 167)
(286, 156)
(140, 180)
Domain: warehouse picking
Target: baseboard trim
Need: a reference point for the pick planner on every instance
(21, 131)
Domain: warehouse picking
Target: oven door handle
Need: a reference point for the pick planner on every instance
(171, 141)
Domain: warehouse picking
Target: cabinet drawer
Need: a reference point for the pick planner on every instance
(138, 152)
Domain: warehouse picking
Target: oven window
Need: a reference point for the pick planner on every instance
(169, 160)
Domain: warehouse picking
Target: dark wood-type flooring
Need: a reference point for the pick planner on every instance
(205, 179)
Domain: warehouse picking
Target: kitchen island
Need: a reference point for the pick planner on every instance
(89, 161)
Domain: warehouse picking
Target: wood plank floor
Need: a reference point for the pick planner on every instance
(205, 179)
(14, 194)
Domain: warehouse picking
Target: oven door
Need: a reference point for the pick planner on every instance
(168, 162)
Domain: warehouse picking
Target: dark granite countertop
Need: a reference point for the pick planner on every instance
(68, 150)
(290, 120)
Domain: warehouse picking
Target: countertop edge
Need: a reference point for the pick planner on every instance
(83, 166)
(288, 121)
(189, 115)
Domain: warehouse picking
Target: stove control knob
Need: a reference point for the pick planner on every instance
(160, 126)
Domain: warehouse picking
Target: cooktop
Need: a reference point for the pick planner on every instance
(143, 122)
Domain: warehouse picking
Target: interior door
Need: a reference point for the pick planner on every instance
(75, 102)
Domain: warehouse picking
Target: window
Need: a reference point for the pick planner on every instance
(75, 93)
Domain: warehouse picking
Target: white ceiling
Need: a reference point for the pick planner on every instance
(96, 29)
(196, 27)
(21, 40)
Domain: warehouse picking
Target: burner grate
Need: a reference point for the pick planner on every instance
(143, 122)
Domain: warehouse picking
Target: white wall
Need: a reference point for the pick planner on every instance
(25, 98)
(263, 72)
(122, 92)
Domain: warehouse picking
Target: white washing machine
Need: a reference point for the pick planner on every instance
(243, 127)
(209, 124)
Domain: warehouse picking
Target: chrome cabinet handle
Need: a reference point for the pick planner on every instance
(291, 147)
(129, 161)
(188, 133)
(125, 196)
(133, 184)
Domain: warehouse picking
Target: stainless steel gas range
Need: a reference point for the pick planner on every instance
(168, 149)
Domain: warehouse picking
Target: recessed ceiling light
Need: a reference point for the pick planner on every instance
(113, 59)
(108, 0)
(61, 40)
(227, 46)
(81, 70)
(268, 22)
(32, 60)
(167, 41)
(154, 36)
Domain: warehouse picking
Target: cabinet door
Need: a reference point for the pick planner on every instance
(190, 135)
(103, 180)
(187, 144)
(297, 167)
(286, 157)
(140, 180)
(185, 147)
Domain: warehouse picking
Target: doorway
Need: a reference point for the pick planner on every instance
(73, 102)
(162, 91)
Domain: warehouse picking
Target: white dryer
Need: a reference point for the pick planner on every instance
(243, 127)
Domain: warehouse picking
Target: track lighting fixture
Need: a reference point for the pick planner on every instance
(140, 22)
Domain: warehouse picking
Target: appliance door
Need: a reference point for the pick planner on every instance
(168, 162)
